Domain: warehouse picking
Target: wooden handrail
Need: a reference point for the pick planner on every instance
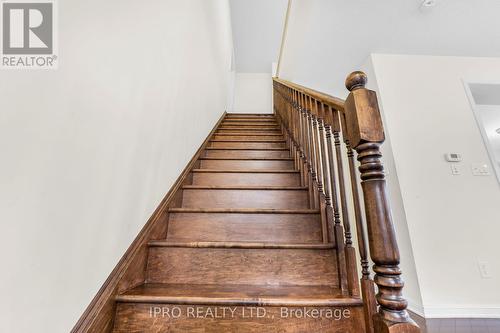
(331, 101)
(315, 126)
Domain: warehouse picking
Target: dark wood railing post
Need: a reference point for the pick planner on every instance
(366, 134)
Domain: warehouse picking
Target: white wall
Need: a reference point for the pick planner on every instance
(257, 28)
(342, 34)
(89, 150)
(452, 220)
(253, 93)
(412, 291)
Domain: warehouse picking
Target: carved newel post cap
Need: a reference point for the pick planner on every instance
(356, 80)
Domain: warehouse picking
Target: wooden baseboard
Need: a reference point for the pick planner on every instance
(130, 270)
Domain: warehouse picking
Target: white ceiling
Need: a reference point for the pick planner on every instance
(257, 29)
(343, 33)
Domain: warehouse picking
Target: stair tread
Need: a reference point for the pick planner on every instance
(243, 114)
(242, 245)
(209, 187)
(246, 134)
(237, 294)
(244, 210)
(248, 117)
(251, 129)
(243, 171)
(250, 122)
(218, 148)
(249, 141)
(250, 126)
(248, 158)
(252, 118)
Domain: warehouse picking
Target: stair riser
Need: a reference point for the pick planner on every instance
(150, 317)
(257, 128)
(250, 127)
(248, 137)
(246, 179)
(248, 145)
(219, 227)
(260, 199)
(250, 130)
(247, 153)
(251, 116)
(246, 165)
(242, 266)
(268, 116)
(249, 123)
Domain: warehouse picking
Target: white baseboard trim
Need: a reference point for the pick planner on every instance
(453, 311)
(466, 311)
(416, 307)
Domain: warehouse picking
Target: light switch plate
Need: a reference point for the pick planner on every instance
(484, 269)
(455, 169)
(480, 169)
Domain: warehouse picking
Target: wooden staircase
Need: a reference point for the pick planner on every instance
(264, 229)
(245, 240)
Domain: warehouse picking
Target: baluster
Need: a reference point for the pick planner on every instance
(294, 131)
(299, 138)
(338, 230)
(292, 124)
(317, 153)
(366, 134)
(300, 162)
(287, 118)
(314, 156)
(350, 252)
(328, 209)
(327, 171)
(297, 129)
(323, 153)
(340, 173)
(303, 117)
(317, 138)
(310, 157)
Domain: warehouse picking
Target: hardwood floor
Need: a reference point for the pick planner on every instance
(458, 325)
(243, 239)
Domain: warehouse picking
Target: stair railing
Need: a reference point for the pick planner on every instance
(324, 134)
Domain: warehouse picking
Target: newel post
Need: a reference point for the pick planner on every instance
(366, 134)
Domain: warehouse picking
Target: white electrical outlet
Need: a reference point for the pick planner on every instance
(484, 269)
(455, 170)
